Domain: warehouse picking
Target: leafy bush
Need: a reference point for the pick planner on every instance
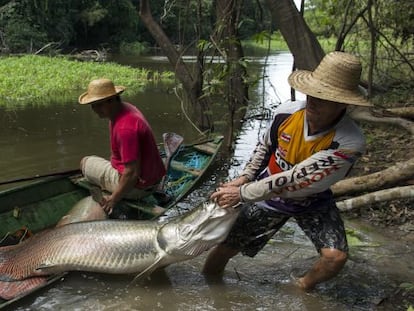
(21, 37)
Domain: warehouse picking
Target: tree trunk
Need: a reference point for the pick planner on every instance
(191, 84)
(236, 93)
(227, 12)
(363, 114)
(373, 50)
(393, 175)
(376, 197)
(403, 112)
(302, 43)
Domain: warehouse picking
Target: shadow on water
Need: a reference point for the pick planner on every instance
(55, 138)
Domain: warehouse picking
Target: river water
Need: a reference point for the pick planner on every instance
(42, 139)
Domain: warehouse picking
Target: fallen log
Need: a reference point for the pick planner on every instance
(391, 176)
(397, 193)
(402, 112)
(363, 114)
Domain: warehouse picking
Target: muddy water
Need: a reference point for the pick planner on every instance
(38, 140)
(55, 138)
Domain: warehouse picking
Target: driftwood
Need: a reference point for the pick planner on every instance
(393, 175)
(50, 44)
(364, 114)
(91, 55)
(406, 192)
(402, 112)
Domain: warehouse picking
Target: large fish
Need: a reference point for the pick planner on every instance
(112, 246)
(87, 209)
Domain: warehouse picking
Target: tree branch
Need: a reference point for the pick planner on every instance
(363, 114)
(399, 172)
(351, 25)
(403, 112)
(302, 42)
(406, 192)
(406, 60)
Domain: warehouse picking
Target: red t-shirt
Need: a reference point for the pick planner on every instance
(132, 139)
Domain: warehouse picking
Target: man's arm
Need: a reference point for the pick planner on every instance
(313, 175)
(127, 181)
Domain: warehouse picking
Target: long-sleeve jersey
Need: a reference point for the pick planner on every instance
(291, 170)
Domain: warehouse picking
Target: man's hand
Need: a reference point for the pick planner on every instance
(108, 204)
(241, 180)
(227, 196)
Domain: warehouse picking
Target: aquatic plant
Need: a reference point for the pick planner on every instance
(132, 48)
(38, 80)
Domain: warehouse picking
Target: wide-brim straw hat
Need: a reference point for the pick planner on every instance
(335, 79)
(98, 90)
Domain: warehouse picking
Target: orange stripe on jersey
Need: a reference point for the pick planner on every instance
(292, 147)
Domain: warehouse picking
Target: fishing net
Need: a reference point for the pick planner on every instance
(178, 180)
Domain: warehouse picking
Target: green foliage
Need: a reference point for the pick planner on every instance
(92, 23)
(392, 20)
(90, 16)
(407, 286)
(356, 239)
(38, 79)
(133, 48)
(23, 37)
(261, 42)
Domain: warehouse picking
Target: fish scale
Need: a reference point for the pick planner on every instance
(111, 246)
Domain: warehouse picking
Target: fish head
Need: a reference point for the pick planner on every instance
(198, 230)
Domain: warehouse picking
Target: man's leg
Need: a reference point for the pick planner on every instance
(252, 230)
(217, 259)
(327, 232)
(329, 265)
(99, 171)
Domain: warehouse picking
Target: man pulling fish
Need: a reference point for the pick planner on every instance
(135, 168)
(309, 146)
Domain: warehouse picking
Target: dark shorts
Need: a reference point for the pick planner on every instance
(257, 224)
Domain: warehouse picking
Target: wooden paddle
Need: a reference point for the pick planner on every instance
(172, 143)
(62, 173)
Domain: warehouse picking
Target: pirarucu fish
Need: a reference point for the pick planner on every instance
(112, 246)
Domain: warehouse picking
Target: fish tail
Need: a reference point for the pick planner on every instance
(17, 262)
(10, 290)
(6, 263)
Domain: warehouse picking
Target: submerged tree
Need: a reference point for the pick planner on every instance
(191, 80)
(223, 43)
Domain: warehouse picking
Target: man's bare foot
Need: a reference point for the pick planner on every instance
(299, 282)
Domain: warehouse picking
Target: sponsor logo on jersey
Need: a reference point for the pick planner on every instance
(282, 151)
(305, 176)
(281, 162)
(285, 137)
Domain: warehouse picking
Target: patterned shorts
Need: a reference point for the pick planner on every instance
(257, 224)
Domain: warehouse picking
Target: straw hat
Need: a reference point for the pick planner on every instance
(100, 89)
(335, 79)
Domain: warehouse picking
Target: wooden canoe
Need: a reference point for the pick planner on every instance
(33, 207)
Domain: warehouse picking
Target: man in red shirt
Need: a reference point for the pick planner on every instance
(136, 167)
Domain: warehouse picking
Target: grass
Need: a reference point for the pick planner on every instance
(389, 69)
(37, 80)
(132, 48)
(259, 43)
